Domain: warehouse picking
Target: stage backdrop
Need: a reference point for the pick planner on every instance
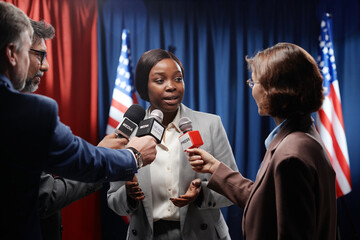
(211, 38)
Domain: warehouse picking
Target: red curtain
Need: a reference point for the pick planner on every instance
(72, 82)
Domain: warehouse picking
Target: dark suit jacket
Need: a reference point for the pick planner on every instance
(293, 196)
(32, 140)
(56, 193)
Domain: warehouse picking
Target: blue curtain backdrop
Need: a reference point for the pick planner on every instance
(211, 38)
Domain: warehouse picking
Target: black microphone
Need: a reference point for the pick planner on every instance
(130, 121)
(152, 126)
(189, 138)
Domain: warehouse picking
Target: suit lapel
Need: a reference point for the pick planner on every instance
(186, 174)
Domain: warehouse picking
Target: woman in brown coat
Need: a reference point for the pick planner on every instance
(293, 196)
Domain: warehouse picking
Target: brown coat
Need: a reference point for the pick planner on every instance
(293, 196)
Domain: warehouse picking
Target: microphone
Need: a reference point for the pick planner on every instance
(130, 121)
(190, 138)
(152, 126)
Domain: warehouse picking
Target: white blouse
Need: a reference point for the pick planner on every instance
(165, 173)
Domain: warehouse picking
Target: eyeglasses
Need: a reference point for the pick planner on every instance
(251, 83)
(42, 54)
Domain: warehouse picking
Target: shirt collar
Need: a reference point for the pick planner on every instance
(273, 133)
(6, 82)
(175, 122)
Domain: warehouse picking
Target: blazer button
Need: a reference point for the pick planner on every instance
(134, 232)
(203, 226)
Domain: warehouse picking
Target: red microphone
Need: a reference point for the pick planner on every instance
(190, 138)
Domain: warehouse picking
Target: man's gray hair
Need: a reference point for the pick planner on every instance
(13, 22)
(42, 30)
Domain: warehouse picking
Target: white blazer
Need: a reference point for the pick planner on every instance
(203, 221)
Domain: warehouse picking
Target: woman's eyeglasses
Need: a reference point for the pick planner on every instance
(42, 54)
(251, 83)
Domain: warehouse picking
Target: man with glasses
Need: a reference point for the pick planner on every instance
(37, 55)
(33, 139)
(55, 193)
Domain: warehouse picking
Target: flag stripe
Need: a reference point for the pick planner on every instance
(338, 128)
(336, 103)
(120, 96)
(340, 177)
(112, 122)
(338, 189)
(118, 105)
(115, 114)
(337, 150)
(110, 129)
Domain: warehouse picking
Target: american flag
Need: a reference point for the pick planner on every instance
(124, 92)
(329, 119)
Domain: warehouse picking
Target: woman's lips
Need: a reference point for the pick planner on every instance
(171, 100)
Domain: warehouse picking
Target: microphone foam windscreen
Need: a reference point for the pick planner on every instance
(185, 124)
(135, 113)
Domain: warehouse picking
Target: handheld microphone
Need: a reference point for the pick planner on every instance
(190, 138)
(130, 121)
(152, 126)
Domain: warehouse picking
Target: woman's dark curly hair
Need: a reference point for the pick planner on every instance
(146, 62)
(291, 80)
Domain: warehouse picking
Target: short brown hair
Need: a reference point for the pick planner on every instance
(291, 79)
(143, 67)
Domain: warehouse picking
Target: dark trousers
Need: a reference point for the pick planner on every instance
(167, 230)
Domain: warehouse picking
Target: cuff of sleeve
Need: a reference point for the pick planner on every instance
(132, 153)
(216, 176)
(134, 157)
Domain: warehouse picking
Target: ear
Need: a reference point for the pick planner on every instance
(10, 52)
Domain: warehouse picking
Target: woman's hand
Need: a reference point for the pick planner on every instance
(133, 190)
(190, 196)
(202, 161)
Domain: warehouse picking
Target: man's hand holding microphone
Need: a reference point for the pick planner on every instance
(143, 147)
